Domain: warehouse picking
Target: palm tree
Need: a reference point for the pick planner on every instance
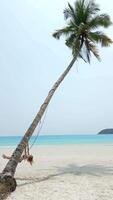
(82, 33)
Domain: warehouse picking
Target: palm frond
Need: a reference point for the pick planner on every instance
(70, 40)
(102, 20)
(64, 31)
(93, 8)
(100, 37)
(90, 47)
(87, 50)
(69, 12)
(95, 52)
(79, 10)
(105, 20)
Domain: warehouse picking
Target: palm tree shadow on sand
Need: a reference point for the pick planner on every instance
(73, 169)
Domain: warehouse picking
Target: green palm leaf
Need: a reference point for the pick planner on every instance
(102, 20)
(100, 37)
(64, 31)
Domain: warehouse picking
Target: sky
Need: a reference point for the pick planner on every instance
(31, 60)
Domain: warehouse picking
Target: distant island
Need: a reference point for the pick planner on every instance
(106, 131)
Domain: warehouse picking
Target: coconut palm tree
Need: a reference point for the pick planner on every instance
(82, 34)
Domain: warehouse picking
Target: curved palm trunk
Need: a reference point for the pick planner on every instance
(10, 168)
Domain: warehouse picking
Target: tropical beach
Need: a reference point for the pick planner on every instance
(56, 113)
(80, 172)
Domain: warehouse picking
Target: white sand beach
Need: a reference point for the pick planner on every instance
(65, 172)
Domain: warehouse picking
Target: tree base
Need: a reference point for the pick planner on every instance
(7, 184)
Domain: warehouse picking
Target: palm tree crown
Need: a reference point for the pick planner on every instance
(81, 32)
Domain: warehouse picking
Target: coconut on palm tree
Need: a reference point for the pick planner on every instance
(82, 34)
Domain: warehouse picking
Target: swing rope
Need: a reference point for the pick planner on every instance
(41, 123)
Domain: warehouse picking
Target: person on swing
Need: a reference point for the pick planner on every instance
(25, 156)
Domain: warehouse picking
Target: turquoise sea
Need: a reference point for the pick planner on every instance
(59, 139)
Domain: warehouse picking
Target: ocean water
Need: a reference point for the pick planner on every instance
(59, 139)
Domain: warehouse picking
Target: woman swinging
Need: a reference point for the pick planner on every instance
(26, 156)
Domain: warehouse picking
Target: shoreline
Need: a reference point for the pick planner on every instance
(59, 144)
